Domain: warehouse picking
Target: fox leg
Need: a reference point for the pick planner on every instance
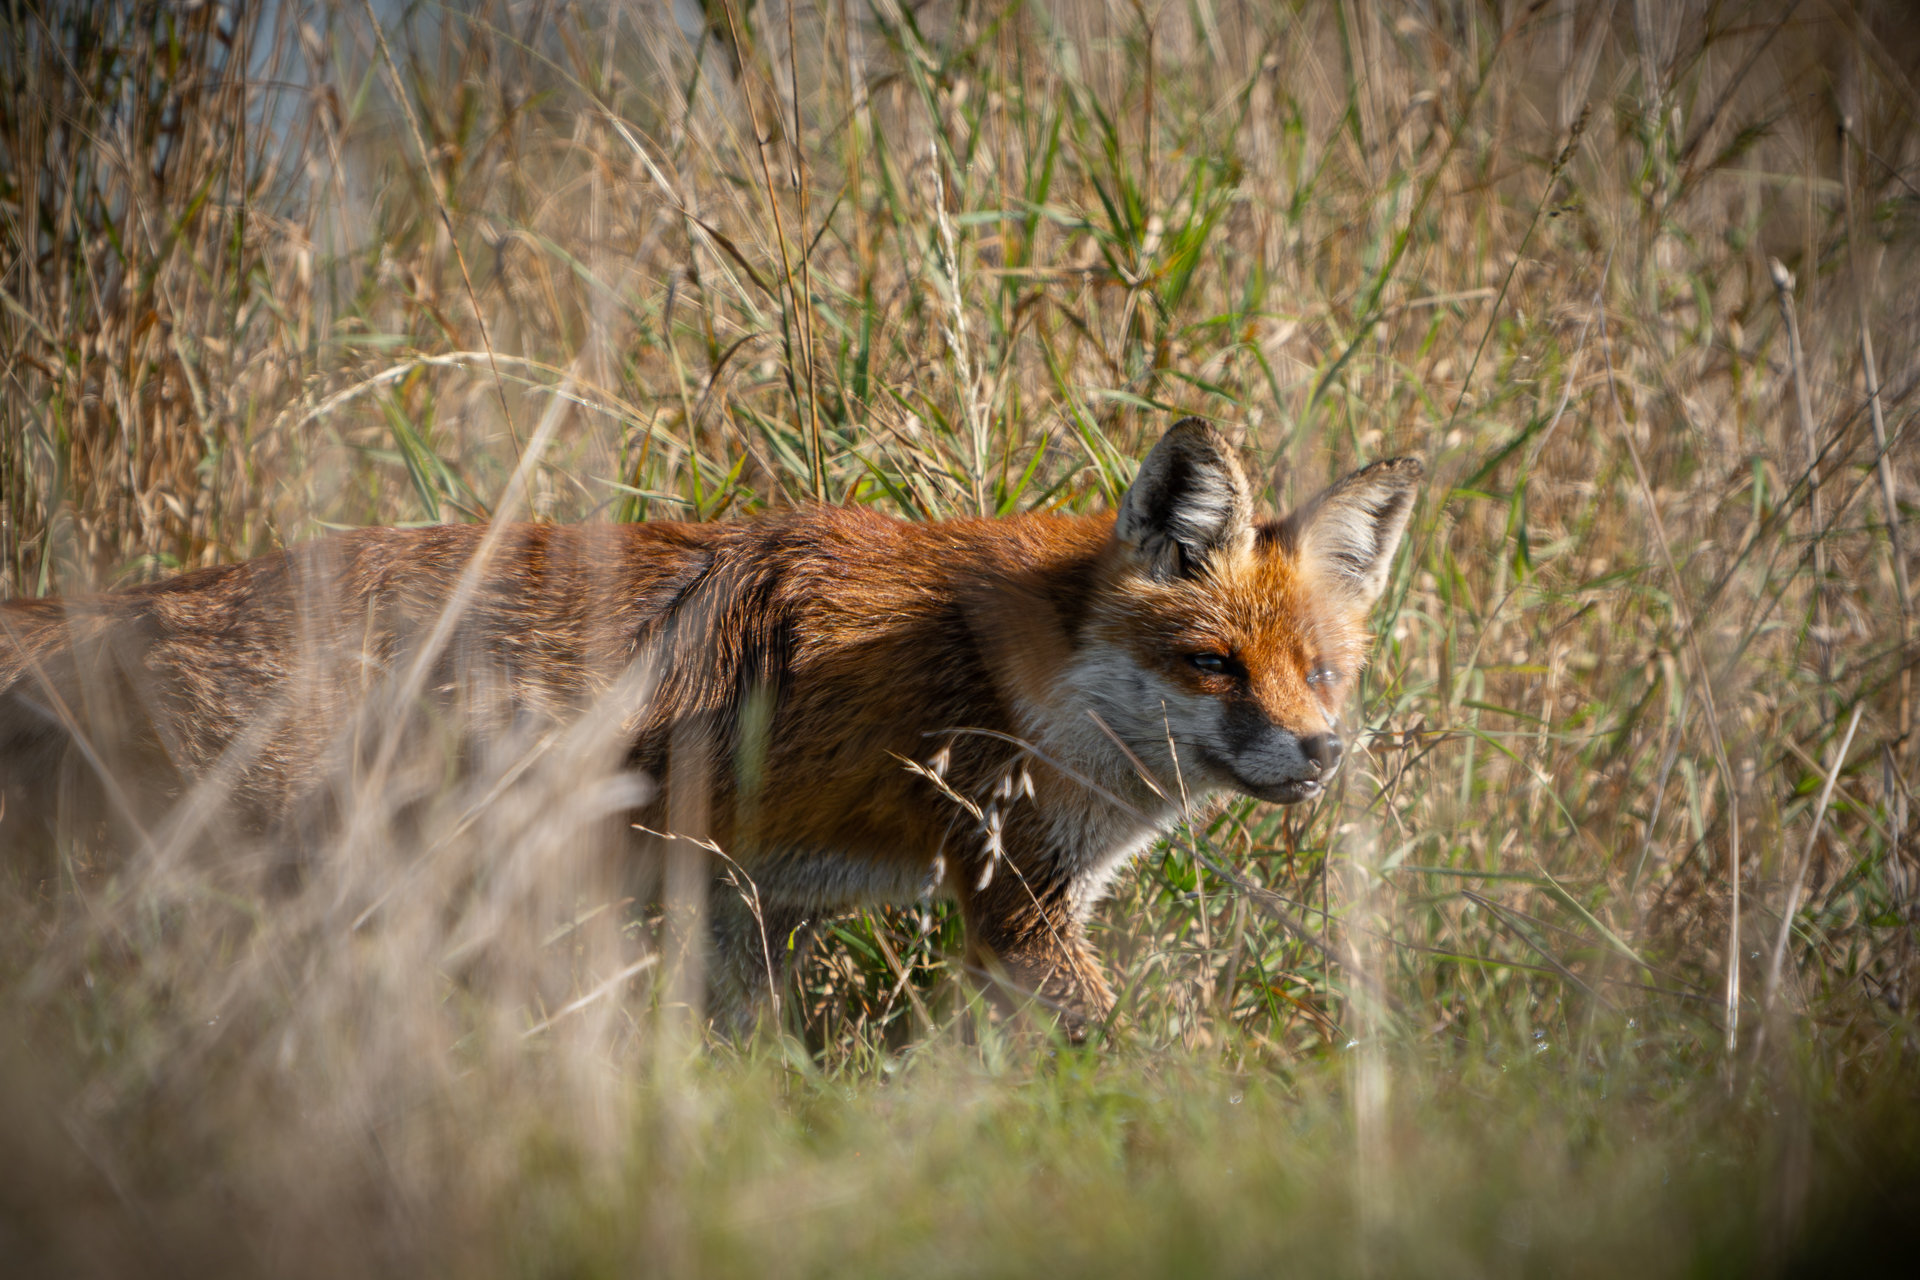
(1024, 931)
(755, 946)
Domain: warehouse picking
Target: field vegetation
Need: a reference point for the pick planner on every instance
(1600, 959)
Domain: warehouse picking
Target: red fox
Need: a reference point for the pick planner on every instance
(872, 711)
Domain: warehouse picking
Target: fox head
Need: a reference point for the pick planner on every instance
(1225, 645)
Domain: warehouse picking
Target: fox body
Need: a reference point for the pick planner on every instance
(869, 710)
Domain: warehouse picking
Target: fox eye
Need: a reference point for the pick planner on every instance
(1214, 664)
(1322, 674)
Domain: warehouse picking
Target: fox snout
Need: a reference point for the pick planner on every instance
(1235, 638)
(1180, 647)
(1283, 767)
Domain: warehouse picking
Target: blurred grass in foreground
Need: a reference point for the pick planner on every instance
(1585, 970)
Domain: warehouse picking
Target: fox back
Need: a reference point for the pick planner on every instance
(852, 709)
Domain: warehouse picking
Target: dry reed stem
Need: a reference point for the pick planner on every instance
(1882, 463)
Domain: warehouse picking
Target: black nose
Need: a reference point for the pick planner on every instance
(1322, 752)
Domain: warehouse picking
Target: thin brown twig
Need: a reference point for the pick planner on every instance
(1800, 874)
(1803, 399)
(1862, 285)
(1705, 675)
(604, 989)
(904, 984)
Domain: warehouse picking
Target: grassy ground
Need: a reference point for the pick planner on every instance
(1600, 961)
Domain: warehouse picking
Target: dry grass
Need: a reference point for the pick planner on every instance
(1587, 966)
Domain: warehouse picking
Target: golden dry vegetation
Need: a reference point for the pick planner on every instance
(1601, 958)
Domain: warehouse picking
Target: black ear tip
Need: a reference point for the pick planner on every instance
(1194, 430)
(1198, 439)
(1405, 470)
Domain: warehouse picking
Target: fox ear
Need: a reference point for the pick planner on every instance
(1347, 535)
(1188, 503)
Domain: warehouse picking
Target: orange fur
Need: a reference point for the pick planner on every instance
(795, 661)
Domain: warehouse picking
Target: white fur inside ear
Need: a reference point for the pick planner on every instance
(1349, 534)
(1189, 503)
(1207, 510)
